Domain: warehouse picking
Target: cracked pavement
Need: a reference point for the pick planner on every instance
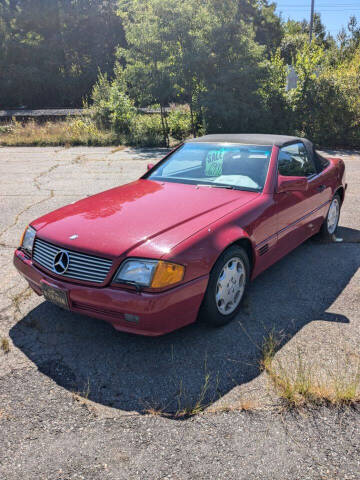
(74, 392)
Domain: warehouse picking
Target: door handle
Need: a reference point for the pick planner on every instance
(321, 187)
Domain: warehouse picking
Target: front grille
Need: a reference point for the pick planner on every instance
(81, 266)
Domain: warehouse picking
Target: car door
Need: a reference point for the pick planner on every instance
(295, 208)
(320, 190)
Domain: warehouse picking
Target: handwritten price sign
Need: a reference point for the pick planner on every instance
(214, 163)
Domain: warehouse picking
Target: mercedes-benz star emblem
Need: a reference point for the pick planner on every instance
(61, 262)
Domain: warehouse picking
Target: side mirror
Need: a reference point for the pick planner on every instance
(150, 166)
(292, 184)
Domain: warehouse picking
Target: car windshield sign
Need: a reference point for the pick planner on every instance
(242, 167)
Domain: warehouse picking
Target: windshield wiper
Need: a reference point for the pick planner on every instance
(229, 187)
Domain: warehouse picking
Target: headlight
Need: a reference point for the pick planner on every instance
(149, 273)
(136, 271)
(27, 239)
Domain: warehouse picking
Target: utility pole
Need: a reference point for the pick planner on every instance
(312, 19)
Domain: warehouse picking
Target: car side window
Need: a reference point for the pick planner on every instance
(321, 162)
(294, 161)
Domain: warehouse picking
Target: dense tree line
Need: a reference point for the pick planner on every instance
(51, 50)
(229, 62)
(226, 62)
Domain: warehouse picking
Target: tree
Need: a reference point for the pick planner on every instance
(51, 50)
(267, 25)
(296, 36)
(148, 58)
(200, 52)
(231, 71)
(277, 117)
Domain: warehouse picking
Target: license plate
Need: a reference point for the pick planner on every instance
(55, 295)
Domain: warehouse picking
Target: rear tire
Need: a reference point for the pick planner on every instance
(227, 285)
(328, 228)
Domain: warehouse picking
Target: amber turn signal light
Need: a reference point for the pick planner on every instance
(167, 273)
(23, 235)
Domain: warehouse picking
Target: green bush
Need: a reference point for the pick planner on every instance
(6, 129)
(179, 122)
(325, 105)
(146, 131)
(321, 113)
(112, 107)
(101, 108)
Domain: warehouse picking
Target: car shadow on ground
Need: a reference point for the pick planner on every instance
(348, 235)
(135, 373)
(154, 154)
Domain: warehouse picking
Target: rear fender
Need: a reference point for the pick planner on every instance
(340, 168)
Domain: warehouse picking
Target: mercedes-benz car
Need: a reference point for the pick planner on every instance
(184, 241)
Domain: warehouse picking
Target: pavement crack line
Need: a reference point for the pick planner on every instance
(43, 174)
(38, 187)
(18, 215)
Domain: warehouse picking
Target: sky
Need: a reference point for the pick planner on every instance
(334, 13)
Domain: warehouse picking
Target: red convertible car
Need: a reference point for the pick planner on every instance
(185, 239)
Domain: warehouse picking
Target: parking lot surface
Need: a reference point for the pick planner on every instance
(80, 400)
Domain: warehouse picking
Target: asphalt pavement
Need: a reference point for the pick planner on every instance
(80, 400)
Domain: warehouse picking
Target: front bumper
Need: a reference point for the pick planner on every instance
(142, 313)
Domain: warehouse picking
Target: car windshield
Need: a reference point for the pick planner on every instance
(241, 167)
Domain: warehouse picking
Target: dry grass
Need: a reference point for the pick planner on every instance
(199, 406)
(80, 131)
(118, 148)
(155, 412)
(82, 398)
(84, 394)
(245, 405)
(20, 297)
(72, 132)
(5, 345)
(187, 407)
(300, 383)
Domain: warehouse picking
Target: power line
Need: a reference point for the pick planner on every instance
(337, 9)
(327, 10)
(326, 5)
(348, 12)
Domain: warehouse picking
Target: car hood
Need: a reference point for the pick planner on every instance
(145, 212)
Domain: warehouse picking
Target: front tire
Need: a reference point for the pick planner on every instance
(328, 228)
(228, 282)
